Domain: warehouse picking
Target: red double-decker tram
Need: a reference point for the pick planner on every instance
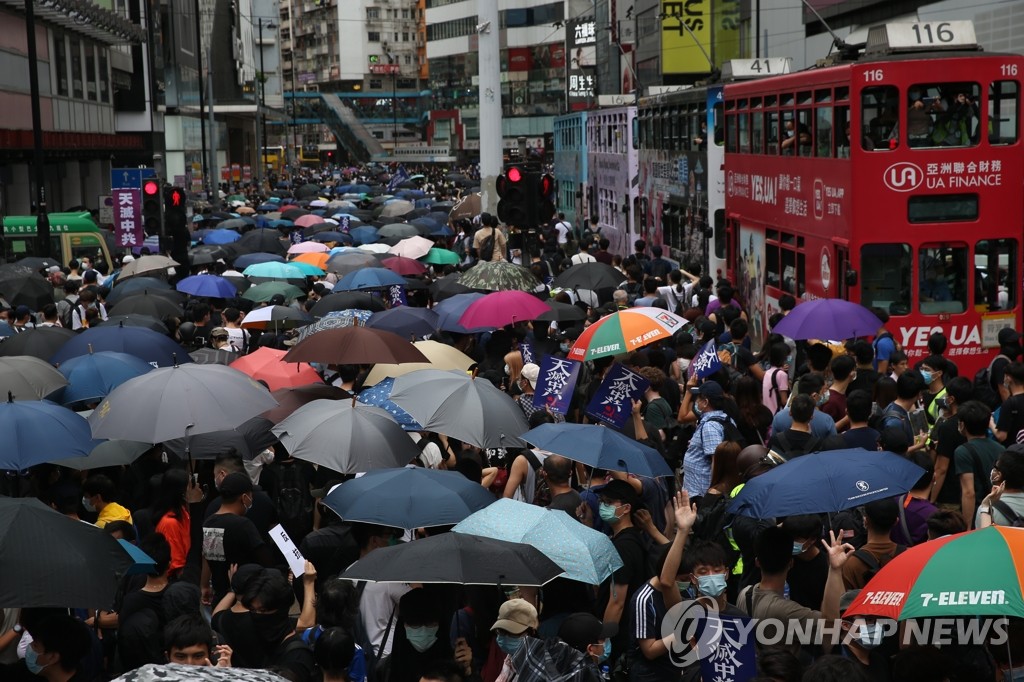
(893, 180)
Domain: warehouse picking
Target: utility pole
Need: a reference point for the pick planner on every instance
(214, 170)
(261, 139)
(490, 102)
(202, 95)
(158, 168)
(38, 164)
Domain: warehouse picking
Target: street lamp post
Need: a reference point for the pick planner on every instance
(393, 61)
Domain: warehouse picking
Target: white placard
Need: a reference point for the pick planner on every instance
(296, 561)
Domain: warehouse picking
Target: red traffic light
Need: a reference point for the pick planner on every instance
(514, 174)
(150, 188)
(547, 185)
(176, 198)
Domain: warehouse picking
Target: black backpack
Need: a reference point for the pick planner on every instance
(872, 563)
(487, 247)
(1015, 519)
(730, 431)
(789, 452)
(713, 518)
(983, 378)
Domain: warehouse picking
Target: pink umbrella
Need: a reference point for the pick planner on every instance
(308, 247)
(308, 220)
(502, 308)
(265, 364)
(407, 267)
(412, 247)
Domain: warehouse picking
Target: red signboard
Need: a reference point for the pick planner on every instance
(520, 59)
(386, 69)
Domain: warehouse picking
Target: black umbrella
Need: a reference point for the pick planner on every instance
(147, 304)
(562, 312)
(457, 558)
(134, 320)
(293, 213)
(137, 285)
(50, 560)
(346, 300)
(41, 342)
(249, 439)
(37, 263)
(307, 190)
(591, 276)
(448, 286)
(21, 285)
(261, 241)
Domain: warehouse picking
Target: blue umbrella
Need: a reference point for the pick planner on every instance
(383, 496)
(6, 329)
(275, 271)
(268, 207)
(406, 321)
(829, 481)
(364, 234)
(221, 237)
(307, 268)
(829, 318)
(91, 377)
(369, 278)
(380, 396)
(248, 259)
(208, 285)
(599, 447)
(442, 231)
(452, 308)
(142, 562)
(37, 431)
(585, 554)
(153, 347)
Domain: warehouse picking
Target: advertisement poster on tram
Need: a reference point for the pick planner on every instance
(750, 281)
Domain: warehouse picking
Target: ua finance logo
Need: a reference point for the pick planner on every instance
(903, 176)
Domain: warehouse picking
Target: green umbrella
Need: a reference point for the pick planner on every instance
(261, 293)
(499, 276)
(441, 257)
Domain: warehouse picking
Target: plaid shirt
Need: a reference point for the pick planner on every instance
(697, 460)
(551, 660)
(525, 401)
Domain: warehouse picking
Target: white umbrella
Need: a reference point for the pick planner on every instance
(412, 247)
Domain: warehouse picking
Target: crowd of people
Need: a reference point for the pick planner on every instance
(221, 594)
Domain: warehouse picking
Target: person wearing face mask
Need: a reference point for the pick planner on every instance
(418, 641)
(263, 512)
(822, 425)
(581, 647)
(933, 373)
(1011, 416)
(588, 635)
(230, 538)
(58, 649)
(865, 643)
(98, 497)
(268, 596)
(810, 565)
(517, 620)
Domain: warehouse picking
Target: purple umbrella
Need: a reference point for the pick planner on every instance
(828, 319)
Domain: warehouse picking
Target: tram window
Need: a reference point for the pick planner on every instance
(842, 94)
(730, 133)
(942, 271)
(995, 271)
(1003, 110)
(885, 277)
(943, 115)
(823, 132)
(757, 132)
(743, 121)
(772, 133)
(842, 132)
(879, 123)
(773, 275)
(720, 233)
(719, 124)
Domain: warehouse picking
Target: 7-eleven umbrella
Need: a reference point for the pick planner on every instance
(265, 364)
(624, 332)
(935, 578)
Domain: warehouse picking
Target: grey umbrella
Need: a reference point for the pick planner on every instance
(181, 401)
(457, 405)
(213, 356)
(29, 378)
(348, 439)
(109, 453)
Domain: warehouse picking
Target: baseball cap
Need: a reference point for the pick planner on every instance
(847, 599)
(580, 630)
(709, 389)
(620, 491)
(516, 616)
(235, 485)
(90, 276)
(1008, 335)
(219, 331)
(530, 372)
(21, 311)
(127, 259)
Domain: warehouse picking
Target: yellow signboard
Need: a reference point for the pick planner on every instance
(685, 36)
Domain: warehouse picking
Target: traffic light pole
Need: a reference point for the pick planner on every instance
(158, 168)
(38, 162)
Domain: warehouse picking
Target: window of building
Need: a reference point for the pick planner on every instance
(1003, 109)
(376, 84)
(405, 36)
(104, 85)
(90, 72)
(408, 60)
(406, 83)
(995, 274)
(396, 36)
(885, 277)
(879, 123)
(60, 60)
(372, 13)
(405, 14)
(943, 279)
(373, 36)
(77, 86)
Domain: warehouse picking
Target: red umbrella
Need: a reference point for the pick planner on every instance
(502, 308)
(266, 365)
(407, 267)
(354, 346)
(291, 399)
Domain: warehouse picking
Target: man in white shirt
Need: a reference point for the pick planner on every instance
(564, 228)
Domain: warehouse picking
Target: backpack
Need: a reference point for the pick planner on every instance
(376, 667)
(677, 437)
(872, 563)
(874, 344)
(487, 247)
(712, 520)
(789, 452)
(730, 431)
(1015, 519)
(774, 390)
(65, 313)
(983, 378)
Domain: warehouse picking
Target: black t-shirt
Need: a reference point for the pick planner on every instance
(865, 381)
(237, 631)
(230, 539)
(635, 571)
(140, 629)
(792, 443)
(947, 440)
(745, 359)
(807, 580)
(263, 512)
(1011, 418)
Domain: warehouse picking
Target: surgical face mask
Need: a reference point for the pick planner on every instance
(870, 635)
(32, 661)
(422, 637)
(696, 409)
(87, 504)
(823, 398)
(508, 372)
(789, 133)
(607, 651)
(608, 513)
(683, 586)
(798, 548)
(711, 585)
(927, 376)
(564, 347)
(509, 643)
(247, 506)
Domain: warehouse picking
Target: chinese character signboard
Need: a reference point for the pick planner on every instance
(613, 402)
(581, 64)
(728, 655)
(128, 217)
(555, 383)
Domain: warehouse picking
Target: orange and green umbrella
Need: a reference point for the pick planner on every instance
(965, 575)
(624, 332)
